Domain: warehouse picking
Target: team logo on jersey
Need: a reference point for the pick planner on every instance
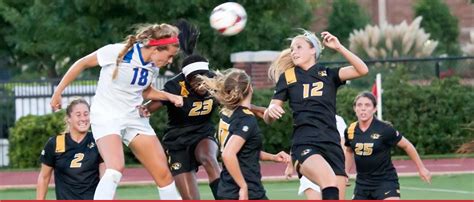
(306, 151)
(245, 128)
(375, 136)
(322, 73)
(176, 166)
(91, 145)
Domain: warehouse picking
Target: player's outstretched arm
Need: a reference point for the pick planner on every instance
(406, 145)
(154, 94)
(73, 72)
(258, 110)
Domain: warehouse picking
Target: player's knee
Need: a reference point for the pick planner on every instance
(207, 160)
(116, 166)
(113, 174)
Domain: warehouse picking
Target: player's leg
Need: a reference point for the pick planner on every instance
(318, 170)
(148, 150)
(206, 155)
(183, 168)
(187, 185)
(111, 150)
(341, 185)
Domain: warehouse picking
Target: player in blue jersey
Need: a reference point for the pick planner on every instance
(127, 71)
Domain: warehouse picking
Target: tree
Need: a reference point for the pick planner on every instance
(346, 16)
(50, 35)
(441, 24)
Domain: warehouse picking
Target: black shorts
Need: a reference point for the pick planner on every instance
(184, 160)
(384, 190)
(332, 153)
(262, 198)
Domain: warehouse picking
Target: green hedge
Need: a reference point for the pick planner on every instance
(437, 119)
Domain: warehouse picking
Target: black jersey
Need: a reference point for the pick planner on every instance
(312, 98)
(243, 123)
(372, 151)
(76, 166)
(193, 118)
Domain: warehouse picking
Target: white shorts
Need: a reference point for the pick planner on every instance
(127, 128)
(305, 184)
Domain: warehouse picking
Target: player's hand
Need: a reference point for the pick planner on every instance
(425, 175)
(330, 40)
(281, 157)
(175, 99)
(56, 102)
(275, 111)
(243, 193)
(143, 111)
(289, 171)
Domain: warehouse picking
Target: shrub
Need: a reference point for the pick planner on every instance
(345, 17)
(441, 24)
(392, 41)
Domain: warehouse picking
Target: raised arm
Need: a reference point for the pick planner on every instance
(406, 145)
(154, 94)
(257, 110)
(274, 111)
(74, 71)
(357, 69)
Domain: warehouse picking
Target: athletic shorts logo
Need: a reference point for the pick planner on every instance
(306, 151)
(387, 192)
(176, 166)
(42, 152)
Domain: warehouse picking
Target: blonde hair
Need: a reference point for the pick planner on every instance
(72, 104)
(143, 35)
(229, 87)
(284, 61)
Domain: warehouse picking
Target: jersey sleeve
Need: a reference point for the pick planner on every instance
(335, 76)
(393, 136)
(281, 92)
(108, 54)
(347, 142)
(48, 153)
(244, 128)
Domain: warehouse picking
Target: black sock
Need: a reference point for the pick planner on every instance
(214, 184)
(330, 193)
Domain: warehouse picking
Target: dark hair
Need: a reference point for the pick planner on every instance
(368, 95)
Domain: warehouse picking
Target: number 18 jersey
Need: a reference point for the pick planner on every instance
(118, 98)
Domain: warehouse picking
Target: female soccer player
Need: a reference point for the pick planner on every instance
(189, 139)
(239, 137)
(311, 91)
(125, 77)
(369, 142)
(73, 156)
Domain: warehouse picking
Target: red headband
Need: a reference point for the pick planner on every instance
(162, 42)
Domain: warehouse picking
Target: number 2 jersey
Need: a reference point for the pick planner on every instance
(76, 166)
(191, 122)
(118, 98)
(372, 150)
(243, 123)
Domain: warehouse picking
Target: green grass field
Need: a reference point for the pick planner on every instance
(442, 187)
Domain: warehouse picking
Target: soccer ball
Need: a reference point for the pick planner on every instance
(228, 18)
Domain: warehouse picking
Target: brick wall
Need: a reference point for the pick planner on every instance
(256, 65)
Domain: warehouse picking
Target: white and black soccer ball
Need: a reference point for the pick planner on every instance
(228, 18)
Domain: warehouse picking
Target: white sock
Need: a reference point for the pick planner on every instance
(107, 185)
(169, 192)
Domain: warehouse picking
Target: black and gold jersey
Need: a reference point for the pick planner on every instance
(312, 98)
(372, 151)
(76, 166)
(243, 123)
(192, 119)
